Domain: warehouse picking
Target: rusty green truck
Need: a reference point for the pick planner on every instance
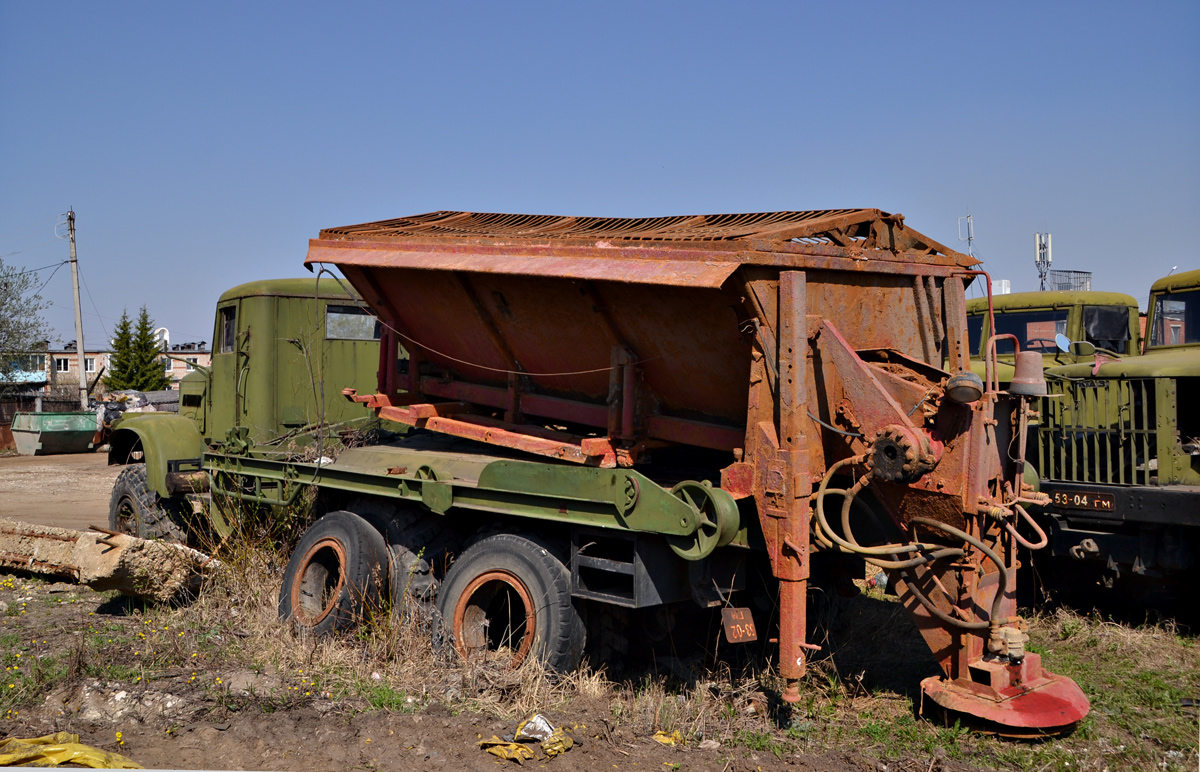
(1119, 452)
(1107, 320)
(639, 414)
(275, 341)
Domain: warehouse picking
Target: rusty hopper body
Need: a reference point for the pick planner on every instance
(809, 351)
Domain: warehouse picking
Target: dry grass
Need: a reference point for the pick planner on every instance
(859, 694)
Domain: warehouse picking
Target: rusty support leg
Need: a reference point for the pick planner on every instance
(793, 568)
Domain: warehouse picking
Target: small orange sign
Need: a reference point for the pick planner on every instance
(739, 625)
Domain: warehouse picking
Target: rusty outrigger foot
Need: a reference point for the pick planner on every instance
(140, 568)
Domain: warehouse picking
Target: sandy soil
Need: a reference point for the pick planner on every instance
(68, 491)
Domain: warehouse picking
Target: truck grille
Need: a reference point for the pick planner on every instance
(1099, 431)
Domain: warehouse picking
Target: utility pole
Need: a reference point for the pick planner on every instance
(78, 315)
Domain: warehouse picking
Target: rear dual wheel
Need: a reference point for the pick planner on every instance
(508, 598)
(335, 575)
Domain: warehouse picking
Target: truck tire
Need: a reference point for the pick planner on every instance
(137, 510)
(510, 596)
(419, 544)
(335, 575)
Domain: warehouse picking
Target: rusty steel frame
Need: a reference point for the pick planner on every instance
(847, 324)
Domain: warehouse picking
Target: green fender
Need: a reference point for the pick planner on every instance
(162, 437)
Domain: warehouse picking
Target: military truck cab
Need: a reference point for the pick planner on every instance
(1107, 320)
(283, 351)
(1119, 448)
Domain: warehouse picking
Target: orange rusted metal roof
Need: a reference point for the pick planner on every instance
(683, 250)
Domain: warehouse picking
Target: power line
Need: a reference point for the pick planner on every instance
(35, 270)
(47, 281)
(97, 310)
(26, 249)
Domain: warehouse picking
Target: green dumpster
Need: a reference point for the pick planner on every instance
(45, 434)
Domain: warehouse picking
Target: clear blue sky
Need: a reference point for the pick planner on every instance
(203, 144)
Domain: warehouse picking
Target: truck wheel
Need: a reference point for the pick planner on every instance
(334, 576)
(419, 544)
(507, 596)
(137, 510)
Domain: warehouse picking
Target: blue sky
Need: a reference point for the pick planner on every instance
(203, 144)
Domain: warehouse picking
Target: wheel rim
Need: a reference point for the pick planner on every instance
(127, 519)
(319, 581)
(495, 614)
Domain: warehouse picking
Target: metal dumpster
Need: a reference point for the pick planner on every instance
(47, 434)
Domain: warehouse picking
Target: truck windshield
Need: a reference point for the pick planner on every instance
(1107, 327)
(1176, 319)
(1035, 330)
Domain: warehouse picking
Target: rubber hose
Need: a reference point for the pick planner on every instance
(979, 545)
(884, 550)
(1021, 539)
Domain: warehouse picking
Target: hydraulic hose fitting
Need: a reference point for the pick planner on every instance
(1007, 638)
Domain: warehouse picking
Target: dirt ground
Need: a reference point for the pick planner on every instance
(168, 688)
(215, 716)
(68, 491)
(212, 717)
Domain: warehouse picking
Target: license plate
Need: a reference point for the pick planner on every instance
(739, 626)
(1100, 502)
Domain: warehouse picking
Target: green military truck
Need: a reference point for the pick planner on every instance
(1119, 452)
(279, 346)
(612, 417)
(1107, 320)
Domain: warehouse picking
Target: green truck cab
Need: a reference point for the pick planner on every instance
(1107, 320)
(1118, 449)
(280, 345)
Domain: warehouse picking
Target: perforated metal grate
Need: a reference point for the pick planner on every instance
(851, 224)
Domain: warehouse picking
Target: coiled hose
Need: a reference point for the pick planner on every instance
(930, 552)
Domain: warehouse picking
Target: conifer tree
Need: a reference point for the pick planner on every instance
(118, 364)
(137, 360)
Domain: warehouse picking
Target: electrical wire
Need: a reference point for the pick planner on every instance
(834, 428)
(32, 270)
(51, 276)
(107, 337)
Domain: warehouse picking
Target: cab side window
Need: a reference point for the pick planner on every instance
(350, 323)
(226, 329)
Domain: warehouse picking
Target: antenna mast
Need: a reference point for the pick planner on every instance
(1042, 257)
(969, 229)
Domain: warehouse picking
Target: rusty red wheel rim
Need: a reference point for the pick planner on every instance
(497, 598)
(320, 576)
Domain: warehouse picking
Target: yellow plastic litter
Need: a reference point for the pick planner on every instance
(59, 748)
(507, 750)
(674, 738)
(556, 743)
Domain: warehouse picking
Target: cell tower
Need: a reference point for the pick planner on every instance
(1043, 257)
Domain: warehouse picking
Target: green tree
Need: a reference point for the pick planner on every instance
(119, 363)
(137, 361)
(21, 327)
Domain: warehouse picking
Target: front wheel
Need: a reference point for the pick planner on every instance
(137, 510)
(335, 575)
(507, 597)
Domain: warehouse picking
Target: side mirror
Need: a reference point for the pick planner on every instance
(1080, 348)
